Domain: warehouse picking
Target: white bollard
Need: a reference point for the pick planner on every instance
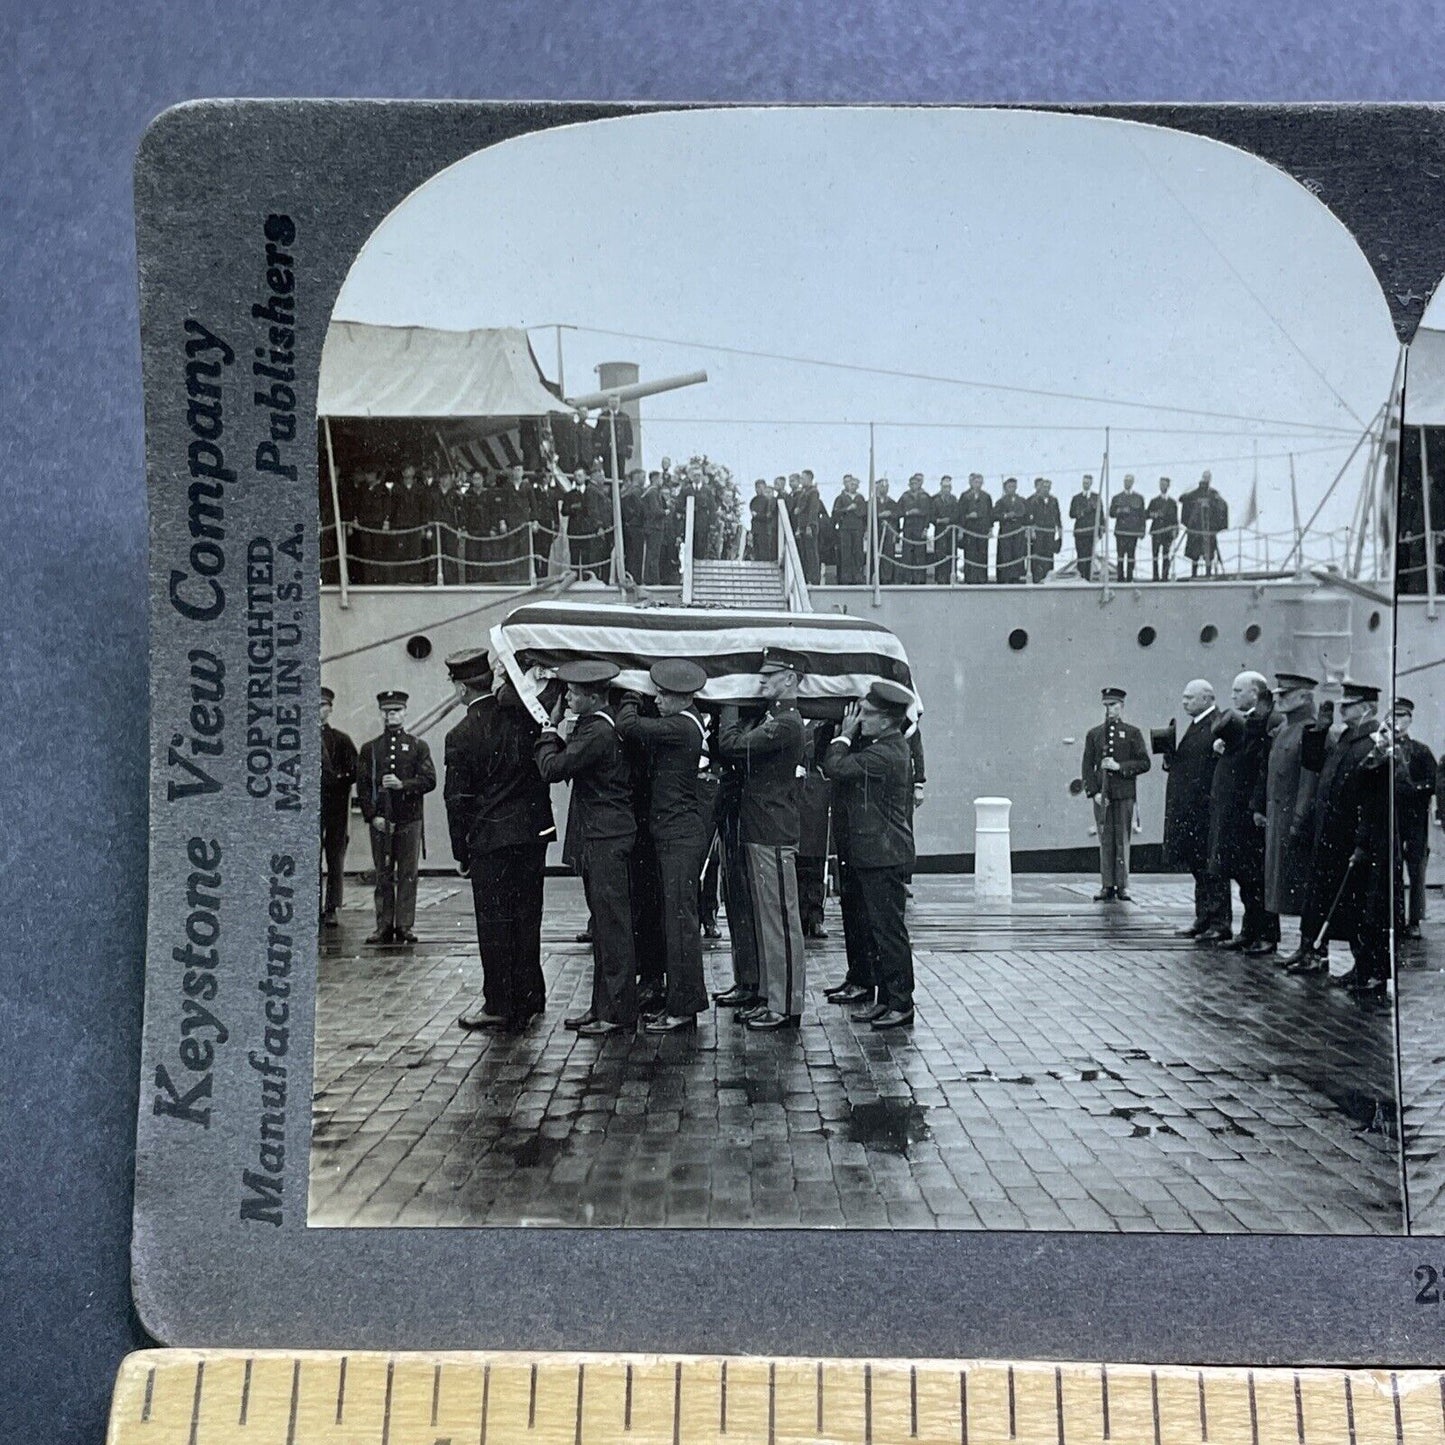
(992, 864)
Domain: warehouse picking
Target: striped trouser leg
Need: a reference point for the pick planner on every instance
(773, 884)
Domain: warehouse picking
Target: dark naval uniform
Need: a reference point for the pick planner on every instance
(1416, 779)
(499, 815)
(1186, 822)
(915, 513)
(814, 799)
(975, 520)
(1084, 514)
(1285, 795)
(1011, 514)
(338, 774)
(873, 782)
(1163, 515)
(592, 759)
(850, 524)
(1236, 841)
(396, 846)
(763, 511)
(1127, 512)
(1375, 877)
(886, 509)
(1045, 534)
(680, 824)
(767, 754)
(1336, 819)
(1113, 795)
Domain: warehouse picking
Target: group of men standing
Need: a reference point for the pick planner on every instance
(1276, 797)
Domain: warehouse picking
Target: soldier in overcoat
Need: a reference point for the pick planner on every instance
(1284, 796)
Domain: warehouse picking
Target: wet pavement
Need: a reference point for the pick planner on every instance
(1422, 1070)
(1073, 1066)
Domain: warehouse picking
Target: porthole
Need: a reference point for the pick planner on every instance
(1018, 639)
(418, 647)
(1252, 632)
(1374, 622)
(1208, 633)
(1147, 636)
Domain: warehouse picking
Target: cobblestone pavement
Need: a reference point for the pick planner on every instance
(1073, 1066)
(1422, 1074)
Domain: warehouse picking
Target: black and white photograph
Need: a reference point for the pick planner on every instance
(857, 690)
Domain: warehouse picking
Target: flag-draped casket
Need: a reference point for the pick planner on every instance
(846, 655)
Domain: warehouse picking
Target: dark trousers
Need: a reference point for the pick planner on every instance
(810, 890)
(887, 545)
(1040, 565)
(851, 563)
(1125, 547)
(507, 899)
(541, 549)
(808, 555)
(739, 907)
(1161, 547)
(1415, 850)
(649, 942)
(857, 937)
(773, 888)
(396, 856)
(1084, 551)
(884, 899)
(334, 817)
(915, 560)
(975, 558)
(1370, 948)
(609, 901)
(707, 889)
(651, 559)
(1212, 907)
(945, 567)
(1259, 925)
(679, 861)
(632, 553)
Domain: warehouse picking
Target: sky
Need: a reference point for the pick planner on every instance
(1078, 273)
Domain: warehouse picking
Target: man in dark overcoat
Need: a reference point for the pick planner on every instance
(1284, 797)
(1114, 757)
(499, 817)
(1045, 529)
(946, 537)
(850, 525)
(1085, 512)
(975, 521)
(1416, 779)
(1163, 514)
(763, 523)
(1190, 766)
(338, 774)
(886, 511)
(1011, 514)
(915, 516)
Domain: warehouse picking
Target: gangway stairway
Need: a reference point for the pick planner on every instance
(758, 586)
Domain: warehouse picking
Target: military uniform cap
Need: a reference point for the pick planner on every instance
(1359, 692)
(470, 665)
(1285, 680)
(776, 659)
(677, 674)
(327, 695)
(587, 671)
(888, 694)
(392, 697)
(1113, 694)
(1404, 704)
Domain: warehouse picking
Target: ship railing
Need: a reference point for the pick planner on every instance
(790, 566)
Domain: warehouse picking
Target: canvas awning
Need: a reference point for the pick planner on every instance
(418, 371)
(1425, 379)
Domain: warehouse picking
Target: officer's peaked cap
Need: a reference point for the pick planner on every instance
(327, 695)
(1287, 680)
(471, 665)
(588, 671)
(891, 695)
(677, 674)
(1113, 694)
(1404, 704)
(392, 697)
(1360, 692)
(776, 659)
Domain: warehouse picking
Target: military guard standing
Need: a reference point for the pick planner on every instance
(1190, 765)
(499, 816)
(1374, 873)
(1045, 529)
(975, 521)
(869, 764)
(338, 773)
(1127, 512)
(394, 774)
(946, 536)
(591, 757)
(850, 524)
(814, 797)
(1416, 778)
(1114, 757)
(1284, 796)
(915, 511)
(1011, 514)
(1163, 514)
(680, 822)
(768, 753)
(1084, 513)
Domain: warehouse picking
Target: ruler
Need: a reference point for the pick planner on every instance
(223, 1397)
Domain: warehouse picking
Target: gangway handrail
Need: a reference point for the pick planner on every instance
(790, 565)
(689, 523)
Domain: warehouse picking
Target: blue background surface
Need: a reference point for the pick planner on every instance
(78, 84)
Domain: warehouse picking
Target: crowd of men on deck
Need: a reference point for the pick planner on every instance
(1291, 803)
(421, 527)
(667, 801)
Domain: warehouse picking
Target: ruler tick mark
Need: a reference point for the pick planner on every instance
(532, 1401)
(1154, 1401)
(145, 1404)
(1350, 1409)
(1399, 1422)
(341, 1390)
(436, 1391)
(772, 1403)
(581, 1376)
(1299, 1410)
(1059, 1401)
(1203, 1412)
(722, 1409)
(1253, 1412)
(245, 1394)
(486, 1398)
(196, 1401)
(913, 1402)
(1104, 1397)
(1012, 1411)
(386, 1407)
(627, 1402)
(963, 1407)
(820, 1395)
(676, 1404)
(295, 1400)
(867, 1405)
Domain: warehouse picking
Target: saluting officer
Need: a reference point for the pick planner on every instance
(591, 757)
(680, 822)
(1114, 756)
(1284, 796)
(395, 773)
(767, 753)
(1416, 779)
(869, 763)
(338, 773)
(499, 815)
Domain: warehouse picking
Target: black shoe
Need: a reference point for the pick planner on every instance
(736, 997)
(670, 1023)
(404, 935)
(742, 1015)
(579, 1021)
(1122, 895)
(1350, 980)
(1103, 895)
(482, 1020)
(767, 1021)
(856, 994)
(601, 1029)
(711, 930)
(816, 931)
(1193, 931)
(1237, 945)
(585, 936)
(868, 1014)
(893, 1019)
(1260, 947)
(1211, 937)
(1306, 963)
(380, 935)
(329, 920)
